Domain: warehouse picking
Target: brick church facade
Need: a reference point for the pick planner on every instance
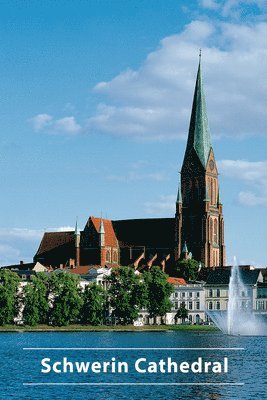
(197, 228)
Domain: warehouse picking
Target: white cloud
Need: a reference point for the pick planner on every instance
(47, 123)
(233, 8)
(210, 4)
(41, 121)
(164, 206)
(67, 125)
(254, 174)
(154, 102)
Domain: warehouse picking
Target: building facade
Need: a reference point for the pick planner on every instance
(198, 221)
(199, 218)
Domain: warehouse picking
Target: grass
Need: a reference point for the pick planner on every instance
(100, 328)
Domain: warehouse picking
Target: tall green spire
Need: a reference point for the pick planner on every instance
(199, 133)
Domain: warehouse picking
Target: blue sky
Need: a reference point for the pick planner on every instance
(95, 104)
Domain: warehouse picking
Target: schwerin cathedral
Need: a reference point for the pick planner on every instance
(197, 227)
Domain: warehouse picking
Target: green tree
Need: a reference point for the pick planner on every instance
(36, 301)
(182, 312)
(159, 291)
(9, 282)
(94, 304)
(187, 269)
(65, 297)
(127, 294)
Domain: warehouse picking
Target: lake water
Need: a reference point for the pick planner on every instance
(20, 366)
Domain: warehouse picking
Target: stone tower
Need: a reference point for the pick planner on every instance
(199, 219)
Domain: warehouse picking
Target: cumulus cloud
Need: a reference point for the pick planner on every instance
(233, 8)
(45, 122)
(210, 4)
(154, 101)
(254, 174)
(67, 125)
(41, 121)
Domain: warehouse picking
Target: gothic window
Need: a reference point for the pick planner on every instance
(215, 231)
(211, 191)
(115, 256)
(215, 192)
(108, 256)
(211, 229)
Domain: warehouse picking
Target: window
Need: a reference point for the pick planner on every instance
(197, 305)
(115, 256)
(190, 294)
(211, 229)
(218, 305)
(108, 256)
(176, 305)
(218, 292)
(176, 294)
(190, 305)
(210, 305)
(183, 294)
(210, 293)
(197, 294)
(215, 230)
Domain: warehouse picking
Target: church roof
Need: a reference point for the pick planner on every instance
(199, 133)
(56, 248)
(52, 240)
(151, 232)
(110, 237)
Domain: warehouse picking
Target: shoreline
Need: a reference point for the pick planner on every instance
(118, 328)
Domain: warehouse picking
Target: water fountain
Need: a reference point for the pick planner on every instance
(239, 318)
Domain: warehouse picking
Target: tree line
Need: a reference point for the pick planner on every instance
(57, 298)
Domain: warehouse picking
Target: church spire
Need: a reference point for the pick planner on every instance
(199, 134)
(179, 196)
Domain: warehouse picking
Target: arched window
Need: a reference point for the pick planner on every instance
(218, 305)
(211, 191)
(115, 256)
(215, 231)
(108, 256)
(211, 229)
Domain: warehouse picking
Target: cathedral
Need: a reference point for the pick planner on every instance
(197, 229)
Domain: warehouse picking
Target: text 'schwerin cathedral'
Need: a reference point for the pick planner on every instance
(197, 228)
